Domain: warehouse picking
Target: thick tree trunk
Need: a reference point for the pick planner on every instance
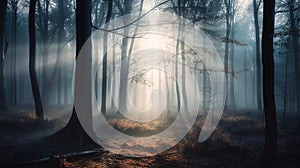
(33, 77)
(258, 63)
(3, 7)
(83, 33)
(269, 154)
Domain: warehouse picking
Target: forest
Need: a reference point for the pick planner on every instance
(149, 83)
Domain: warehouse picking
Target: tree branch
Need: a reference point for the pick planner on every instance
(134, 21)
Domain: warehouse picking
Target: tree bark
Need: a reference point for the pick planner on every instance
(32, 55)
(226, 65)
(232, 98)
(104, 68)
(295, 44)
(61, 23)
(3, 7)
(83, 32)
(14, 4)
(258, 63)
(269, 154)
(124, 62)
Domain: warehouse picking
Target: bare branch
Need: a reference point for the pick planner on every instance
(134, 21)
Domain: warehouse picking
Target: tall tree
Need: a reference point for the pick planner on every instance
(3, 6)
(14, 6)
(232, 76)
(124, 58)
(61, 24)
(295, 42)
(83, 33)
(104, 68)
(228, 9)
(270, 147)
(32, 56)
(258, 62)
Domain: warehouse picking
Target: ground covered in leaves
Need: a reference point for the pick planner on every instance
(237, 142)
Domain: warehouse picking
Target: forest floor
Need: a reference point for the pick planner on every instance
(237, 142)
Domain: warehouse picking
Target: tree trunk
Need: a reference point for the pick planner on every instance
(61, 23)
(226, 67)
(269, 154)
(124, 63)
(33, 77)
(245, 79)
(258, 63)
(295, 40)
(232, 98)
(104, 68)
(14, 4)
(3, 7)
(83, 32)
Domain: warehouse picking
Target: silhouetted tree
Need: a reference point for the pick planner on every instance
(32, 56)
(295, 43)
(14, 7)
(269, 154)
(83, 33)
(3, 6)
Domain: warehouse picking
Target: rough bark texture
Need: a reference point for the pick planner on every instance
(269, 154)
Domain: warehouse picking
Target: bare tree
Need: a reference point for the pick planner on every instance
(83, 32)
(14, 6)
(295, 34)
(32, 56)
(258, 60)
(270, 147)
(61, 24)
(104, 68)
(124, 58)
(3, 6)
(228, 8)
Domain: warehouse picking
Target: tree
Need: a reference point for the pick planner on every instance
(14, 6)
(83, 33)
(3, 6)
(61, 24)
(104, 68)
(295, 41)
(32, 56)
(228, 8)
(43, 27)
(269, 154)
(124, 59)
(288, 39)
(232, 76)
(258, 63)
